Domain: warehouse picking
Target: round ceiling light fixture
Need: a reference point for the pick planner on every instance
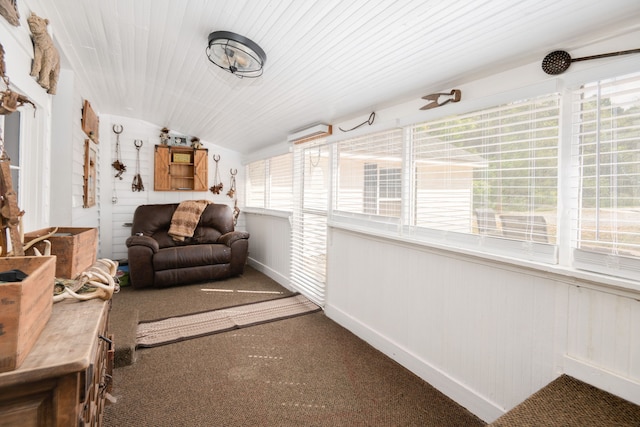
(236, 54)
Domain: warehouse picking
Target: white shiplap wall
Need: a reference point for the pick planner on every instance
(487, 334)
(114, 216)
(602, 332)
(270, 245)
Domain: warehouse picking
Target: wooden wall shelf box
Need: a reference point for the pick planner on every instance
(25, 308)
(65, 378)
(75, 247)
(179, 168)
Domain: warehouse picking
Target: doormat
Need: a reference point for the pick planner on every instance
(174, 329)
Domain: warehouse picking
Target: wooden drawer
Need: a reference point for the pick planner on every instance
(96, 381)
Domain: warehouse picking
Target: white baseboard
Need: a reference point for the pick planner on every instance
(463, 395)
(603, 379)
(271, 273)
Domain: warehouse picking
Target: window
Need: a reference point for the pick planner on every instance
(309, 219)
(489, 173)
(382, 190)
(270, 183)
(370, 175)
(493, 171)
(11, 140)
(256, 184)
(606, 155)
(281, 182)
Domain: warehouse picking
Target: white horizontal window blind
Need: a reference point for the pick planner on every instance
(370, 175)
(280, 185)
(606, 153)
(312, 169)
(255, 184)
(492, 172)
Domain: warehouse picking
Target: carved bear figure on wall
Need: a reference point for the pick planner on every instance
(46, 59)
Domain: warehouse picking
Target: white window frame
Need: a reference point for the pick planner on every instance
(271, 174)
(606, 260)
(523, 246)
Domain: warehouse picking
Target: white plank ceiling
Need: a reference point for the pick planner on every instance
(327, 60)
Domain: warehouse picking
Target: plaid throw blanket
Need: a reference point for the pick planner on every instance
(185, 219)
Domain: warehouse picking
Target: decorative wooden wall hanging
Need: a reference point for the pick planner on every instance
(90, 122)
(90, 168)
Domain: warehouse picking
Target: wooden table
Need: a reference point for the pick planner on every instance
(64, 379)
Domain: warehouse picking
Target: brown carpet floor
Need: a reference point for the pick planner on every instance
(304, 371)
(567, 401)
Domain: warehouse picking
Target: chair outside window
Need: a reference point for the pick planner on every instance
(486, 221)
(525, 227)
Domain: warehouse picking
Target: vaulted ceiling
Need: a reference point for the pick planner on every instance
(326, 59)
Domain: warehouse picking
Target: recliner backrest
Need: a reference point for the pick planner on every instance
(154, 221)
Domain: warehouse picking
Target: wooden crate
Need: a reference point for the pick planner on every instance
(75, 248)
(25, 307)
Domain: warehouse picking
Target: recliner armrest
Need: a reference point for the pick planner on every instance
(143, 241)
(233, 236)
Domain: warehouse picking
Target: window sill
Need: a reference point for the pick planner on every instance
(267, 212)
(565, 274)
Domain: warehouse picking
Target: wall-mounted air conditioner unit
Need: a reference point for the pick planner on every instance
(313, 132)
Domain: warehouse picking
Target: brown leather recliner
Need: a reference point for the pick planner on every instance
(214, 252)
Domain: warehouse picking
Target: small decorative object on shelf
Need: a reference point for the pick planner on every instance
(164, 136)
(179, 141)
(218, 186)
(195, 142)
(232, 189)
